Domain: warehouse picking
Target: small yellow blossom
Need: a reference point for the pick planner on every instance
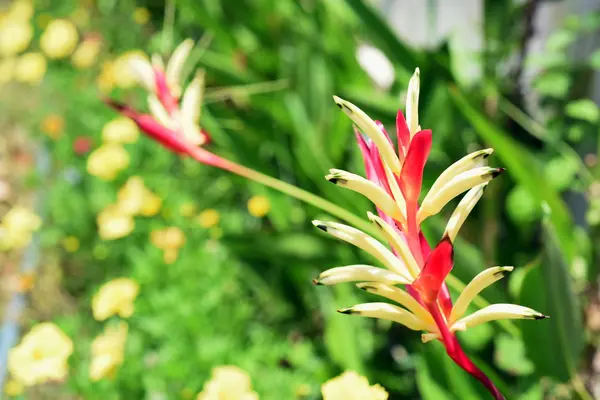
(20, 10)
(15, 37)
(259, 206)
(169, 240)
(115, 297)
(7, 69)
(17, 227)
(108, 352)
(152, 204)
(122, 75)
(114, 224)
(86, 53)
(228, 383)
(13, 388)
(41, 356)
(120, 130)
(107, 161)
(71, 244)
(141, 16)
(106, 79)
(352, 386)
(208, 218)
(53, 126)
(30, 68)
(187, 209)
(59, 39)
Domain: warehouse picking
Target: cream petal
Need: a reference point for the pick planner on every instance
(370, 128)
(397, 243)
(368, 189)
(359, 272)
(367, 243)
(433, 203)
(495, 312)
(142, 71)
(476, 286)
(401, 297)
(175, 64)
(386, 311)
(396, 192)
(191, 104)
(463, 210)
(470, 161)
(412, 103)
(158, 111)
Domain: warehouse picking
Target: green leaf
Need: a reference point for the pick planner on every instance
(553, 84)
(583, 109)
(560, 39)
(594, 60)
(521, 206)
(510, 355)
(521, 165)
(429, 389)
(554, 345)
(560, 172)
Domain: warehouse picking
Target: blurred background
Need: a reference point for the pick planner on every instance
(220, 268)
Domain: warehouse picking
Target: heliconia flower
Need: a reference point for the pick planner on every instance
(393, 183)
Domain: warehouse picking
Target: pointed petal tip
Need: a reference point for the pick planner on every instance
(317, 282)
(498, 171)
(487, 152)
(541, 316)
(320, 225)
(366, 286)
(348, 311)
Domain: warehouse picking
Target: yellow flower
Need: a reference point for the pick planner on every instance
(107, 351)
(187, 209)
(208, 218)
(259, 206)
(30, 68)
(59, 39)
(106, 78)
(17, 226)
(115, 297)
(141, 15)
(352, 386)
(53, 126)
(114, 224)
(15, 36)
(107, 161)
(120, 130)
(13, 388)
(123, 76)
(41, 356)
(169, 240)
(228, 383)
(20, 10)
(71, 244)
(86, 53)
(7, 69)
(152, 204)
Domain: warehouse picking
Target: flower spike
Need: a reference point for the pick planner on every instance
(393, 182)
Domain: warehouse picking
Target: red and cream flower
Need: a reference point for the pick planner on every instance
(393, 183)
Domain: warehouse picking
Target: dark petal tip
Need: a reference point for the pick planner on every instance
(322, 227)
(497, 172)
(345, 311)
(541, 316)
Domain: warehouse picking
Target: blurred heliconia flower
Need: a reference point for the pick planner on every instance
(352, 386)
(59, 39)
(228, 382)
(393, 183)
(108, 351)
(41, 356)
(174, 113)
(115, 297)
